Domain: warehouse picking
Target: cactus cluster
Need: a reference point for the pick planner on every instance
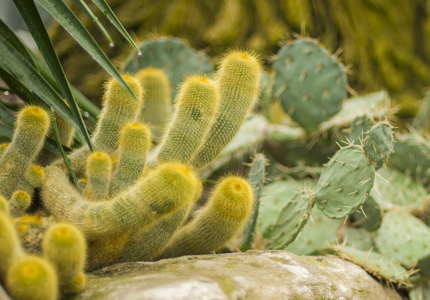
(145, 191)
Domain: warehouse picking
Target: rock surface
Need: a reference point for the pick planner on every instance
(251, 275)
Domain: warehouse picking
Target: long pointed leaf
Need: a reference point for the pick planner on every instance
(107, 11)
(84, 7)
(33, 20)
(12, 62)
(14, 41)
(6, 117)
(71, 23)
(83, 102)
(28, 96)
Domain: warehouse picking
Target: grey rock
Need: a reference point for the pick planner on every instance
(252, 275)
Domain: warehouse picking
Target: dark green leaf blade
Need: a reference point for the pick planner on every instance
(33, 20)
(71, 23)
(107, 11)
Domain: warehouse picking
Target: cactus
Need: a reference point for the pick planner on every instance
(65, 247)
(18, 203)
(31, 128)
(99, 173)
(9, 237)
(358, 238)
(316, 237)
(239, 80)
(256, 177)
(359, 127)
(32, 277)
(227, 211)
(196, 107)
(157, 109)
(309, 81)
(345, 182)
(376, 264)
(4, 205)
(378, 144)
(369, 215)
(119, 108)
(133, 147)
(403, 237)
(291, 220)
(173, 56)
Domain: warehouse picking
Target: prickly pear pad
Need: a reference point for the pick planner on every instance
(344, 183)
(369, 215)
(403, 237)
(379, 143)
(291, 220)
(310, 82)
(376, 264)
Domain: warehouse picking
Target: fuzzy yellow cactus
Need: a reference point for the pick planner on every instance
(239, 83)
(157, 109)
(227, 211)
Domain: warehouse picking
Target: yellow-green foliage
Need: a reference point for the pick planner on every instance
(227, 211)
(165, 189)
(239, 83)
(3, 147)
(18, 203)
(65, 247)
(32, 278)
(133, 147)
(157, 109)
(99, 174)
(119, 108)
(31, 128)
(196, 107)
(10, 247)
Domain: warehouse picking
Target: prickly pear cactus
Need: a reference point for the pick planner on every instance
(368, 216)
(310, 82)
(376, 264)
(378, 144)
(291, 220)
(403, 237)
(345, 182)
(256, 177)
(173, 55)
(359, 127)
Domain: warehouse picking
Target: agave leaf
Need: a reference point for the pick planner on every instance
(67, 19)
(107, 11)
(33, 20)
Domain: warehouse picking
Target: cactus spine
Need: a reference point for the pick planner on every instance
(157, 108)
(12, 251)
(239, 83)
(31, 128)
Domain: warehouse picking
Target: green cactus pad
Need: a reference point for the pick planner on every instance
(379, 143)
(344, 183)
(376, 264)
(359, 127)
(412, 156)
(358, 238)
(173, 55)
(291, 221)
(393, 188)
(309, 81)
(256, 177)
(369, 216)
(317, 236)
(375, 105)
(403, 237)
(275, 197)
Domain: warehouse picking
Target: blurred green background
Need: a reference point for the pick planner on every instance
(386, 42)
